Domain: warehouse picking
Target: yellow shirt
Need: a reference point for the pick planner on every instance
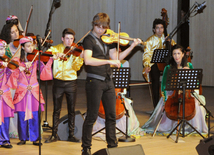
(65, 70)
(152, 43)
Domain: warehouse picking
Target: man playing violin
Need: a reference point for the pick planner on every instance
(99, 84)
(64, 82)
(154, 42)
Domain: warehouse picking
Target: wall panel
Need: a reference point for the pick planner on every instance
(136, 19)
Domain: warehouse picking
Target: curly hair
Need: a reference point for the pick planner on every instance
(5, 32)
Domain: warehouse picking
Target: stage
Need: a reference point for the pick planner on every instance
(157, 145)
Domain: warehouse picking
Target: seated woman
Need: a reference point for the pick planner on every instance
(178, 61)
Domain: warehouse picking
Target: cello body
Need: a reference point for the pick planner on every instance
(120, 109)
(174, 110)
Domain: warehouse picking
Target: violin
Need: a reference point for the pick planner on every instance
(174, 106)
(73, 50)
(11, 64)
(44, 56)
(110, 37)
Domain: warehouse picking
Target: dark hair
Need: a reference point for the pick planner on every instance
(101, 19)
(5, 32)
(158, 21)
(22, 54)
(67, 31)
(184, 59)
(14, 21)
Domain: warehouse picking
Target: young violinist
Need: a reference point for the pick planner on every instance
(6, 101)
(99, 84)
(14, 19)
(65, 82)
(178, 61)
(26, 99)
(10, 33)
(151, 70)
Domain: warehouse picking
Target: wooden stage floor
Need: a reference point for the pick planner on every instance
(157, 145)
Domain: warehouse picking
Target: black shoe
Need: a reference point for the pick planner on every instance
(36, 143)
(73, 139)
(22, 142)
(52, 139)
(86, 151)
(8, 146)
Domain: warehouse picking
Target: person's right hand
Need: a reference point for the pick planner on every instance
(147, 70)
(116, 63)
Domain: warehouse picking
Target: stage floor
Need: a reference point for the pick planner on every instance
(157, 145)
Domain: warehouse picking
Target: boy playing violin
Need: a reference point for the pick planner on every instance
(64, 82)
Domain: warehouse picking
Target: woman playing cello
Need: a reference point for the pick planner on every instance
(178, 61)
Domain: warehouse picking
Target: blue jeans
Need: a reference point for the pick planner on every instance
(97, 90)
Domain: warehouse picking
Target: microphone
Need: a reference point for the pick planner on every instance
(200, 7)
(38, 39)
(57, 3)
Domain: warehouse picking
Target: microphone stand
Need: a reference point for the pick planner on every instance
(55, 4)
(187, 15)
(39, 112)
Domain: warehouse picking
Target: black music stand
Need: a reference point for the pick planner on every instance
(159, 56)
(182, 79)
(121, 78)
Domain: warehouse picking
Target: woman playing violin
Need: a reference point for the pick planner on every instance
(9, 33)
(6, 101)
(178, 61)
(27, 93)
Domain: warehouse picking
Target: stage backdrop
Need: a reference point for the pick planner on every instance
(136, 19)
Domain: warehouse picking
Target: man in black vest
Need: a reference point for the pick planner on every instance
(99, 85)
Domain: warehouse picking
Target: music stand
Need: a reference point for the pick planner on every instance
(182, 79)
(159, 56)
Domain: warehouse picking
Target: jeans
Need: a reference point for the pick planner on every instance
(97, 90)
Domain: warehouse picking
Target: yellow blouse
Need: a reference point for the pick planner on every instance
(65, 70)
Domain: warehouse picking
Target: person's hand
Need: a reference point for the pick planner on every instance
(116, 63)
(82, 55)
(5, 64)
(186, 67)
(27, 64)
(55, 57)
(136, 42)
(21, 68)
(147, 70)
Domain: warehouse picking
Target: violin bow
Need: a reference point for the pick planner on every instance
(77, 43)
(25, 30)
(29, 15)
(41, 45)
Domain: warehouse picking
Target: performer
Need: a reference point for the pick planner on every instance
(99, 85)
(14, 19)
(6, 102)
(166, 125)
(9, 33)
(64, 82)
(26, 99)
(154, 42)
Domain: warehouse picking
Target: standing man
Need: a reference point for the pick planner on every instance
(154, 42)
(64, 82)
(99, 85)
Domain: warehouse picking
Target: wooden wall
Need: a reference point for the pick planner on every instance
(202, 41)
(136, 17)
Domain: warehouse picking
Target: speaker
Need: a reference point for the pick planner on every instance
(127, 150)
(63, 130)
(206, 146)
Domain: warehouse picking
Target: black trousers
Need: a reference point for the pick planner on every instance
(59, 89)
(155, 78)
(97, 90)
